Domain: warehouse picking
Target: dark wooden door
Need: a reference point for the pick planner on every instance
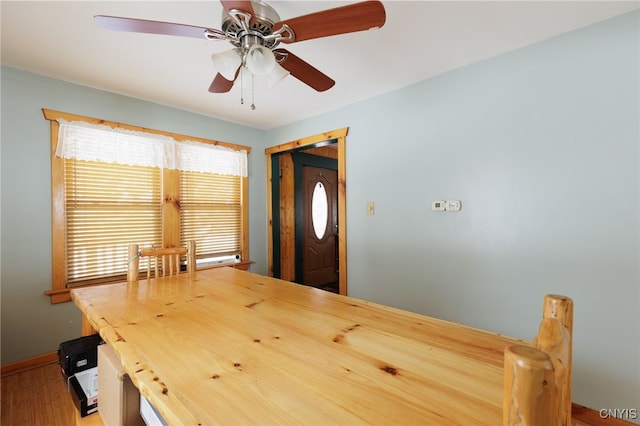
(319, 227)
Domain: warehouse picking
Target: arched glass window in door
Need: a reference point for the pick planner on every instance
(319, 210)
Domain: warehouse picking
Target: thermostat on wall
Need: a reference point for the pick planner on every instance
(453, 205)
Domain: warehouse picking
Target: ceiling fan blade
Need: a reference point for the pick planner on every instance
(305, 72)
(242, 5)
(152, 27)
(340, 20)
(221, 84)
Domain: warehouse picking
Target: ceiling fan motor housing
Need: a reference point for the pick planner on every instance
(265, 18)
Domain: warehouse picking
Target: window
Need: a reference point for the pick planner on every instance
(99, 208)
(211, 214)
(319, 210)
(108, 206)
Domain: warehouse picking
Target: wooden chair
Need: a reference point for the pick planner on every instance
(537, 378)
(165, 261)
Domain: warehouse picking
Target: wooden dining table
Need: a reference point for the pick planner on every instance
(225, 346)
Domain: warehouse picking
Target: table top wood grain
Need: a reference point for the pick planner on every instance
(224, 346)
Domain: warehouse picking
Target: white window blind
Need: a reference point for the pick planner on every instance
(109, 206)
(211, 213)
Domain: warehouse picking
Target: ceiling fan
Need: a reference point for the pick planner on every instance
(255, 30)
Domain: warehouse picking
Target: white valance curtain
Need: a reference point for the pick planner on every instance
(93, 142)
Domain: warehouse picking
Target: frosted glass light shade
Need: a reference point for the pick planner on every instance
(260, 60)
(227, 63)
(277, 75)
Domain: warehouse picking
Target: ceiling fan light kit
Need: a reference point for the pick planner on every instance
(260, 60)
(277, 75)
(255, 30)
(227, 63)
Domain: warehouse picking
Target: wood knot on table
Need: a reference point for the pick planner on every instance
(165, 390)
(389, 369)
(340, 336)
(252, 305)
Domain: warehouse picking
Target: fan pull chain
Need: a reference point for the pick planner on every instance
(253, 105)
(242, 86)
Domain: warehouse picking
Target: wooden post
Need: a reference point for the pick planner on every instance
(134, 263)
(528, 387)
(537, 386)
(191, 256)
(557, 341)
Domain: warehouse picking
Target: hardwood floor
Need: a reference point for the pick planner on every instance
(37, 397)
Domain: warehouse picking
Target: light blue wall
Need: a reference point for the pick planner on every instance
(30, 324)
(542, 147)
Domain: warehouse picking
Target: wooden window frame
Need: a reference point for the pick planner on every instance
(59, 292)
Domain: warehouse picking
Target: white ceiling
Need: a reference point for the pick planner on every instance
(420, 39)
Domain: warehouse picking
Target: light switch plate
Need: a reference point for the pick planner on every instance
(370, 208)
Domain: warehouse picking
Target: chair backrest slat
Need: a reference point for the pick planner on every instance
(163, 261)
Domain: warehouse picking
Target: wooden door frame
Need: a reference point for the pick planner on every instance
(340, 135)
